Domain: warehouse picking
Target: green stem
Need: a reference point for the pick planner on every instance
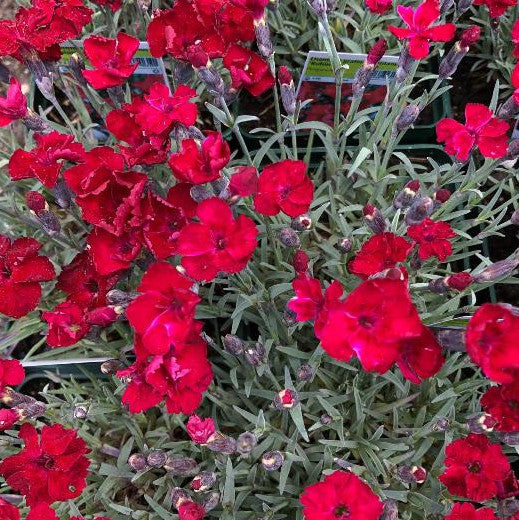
(236, 130)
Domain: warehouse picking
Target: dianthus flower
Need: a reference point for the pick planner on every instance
(496, 8)
(11, 373)
(14, 105)
(379, 6)
(474, 467)
(420, 29)
(200, 430)
(432, 239)
(8, 511)
(467, 511)
(341, 495)
(502, 403)
(22, 270)
(481, 129)
(48, 469)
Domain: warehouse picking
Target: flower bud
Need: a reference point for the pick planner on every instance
(407, 118)
(233, 344)
(222, 444)
(437, 286)
(49, 222)
(178, 496)
(509, 438)
(497, 270)
(390, 511)
(42, 77)
(212, 79)
(507, 508)
(458, 281)
(80, 412)
(255, 354)
(62, 194)
(181, 466)
(203, 481)
(481, 423)
(450, 338)
(246, 442)
(344, 245)
(301, 223)
(122, 298)
(289, 317)
(405, 198)
(211, 501)
(156, 458)
(300, 262)
(412, 474)
(10, 397)
(373, 219)
(320, 8)
(35, 201)
(286, 399)
(463, 5)
(289, 238)
(144, 5)
(514, 219)
(376, 53)
(421, 208)
(404, 66)
(272, 460)
(508, 109)
(325, 419)
(137, 462)
(442, 424)
(263, 39)
(76, 66)
(446, 5)
(111, 366)
(34, 122)
(200, 193)
(305, 372)
(512, 153)
(442, 195)
(364, 74)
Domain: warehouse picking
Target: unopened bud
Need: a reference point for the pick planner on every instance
(412, 474)
(111, 366)
(289, 317)
(289, 238)
(377, 52)
(246, 442)
(286, 399)
(390, 511)
(437, 286)
(508, 109)
(272, 460)
(407, 118)
(442, 424)
(181, 466)
(203, 481)
(200, 193)
(442, 195)
(222, 444)
(405, 198)
(76, 65)
(144, 5)
(118, 297)
(34, 122)
(344, 245)
(300, 262)
(233, 344)
(497, 270)
(179, 495)
(421, 208)
(450, 338)
(325, 419)
(301, 223)
(255, 354)
(211, 501)
(446, 5)
(35, 201)
(458, 281)
(404, 66)
(213, 81)
(263, 39)
(80, 412)
(464, 5)
(137, 462)
(305, 372)
(62, 194)
(156, 458)
(509, 438)
(320, 8)
(514, 219)
(374, 219)
(513, 151)
(42, 78)
(31, 409)
(365, 73)
(481, 423)
(49, 222)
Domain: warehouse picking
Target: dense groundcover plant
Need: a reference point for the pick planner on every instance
(235, 311)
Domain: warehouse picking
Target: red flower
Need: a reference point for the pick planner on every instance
(8, 511)
(162, 111)
(515, 38)
(421, 31)
(66, 324)
(474, 466)
(21, 271)
(42, 27)
(502, 403)
(481, 129)
(219, 242)
(380, 252)
(492, 336)
(284, 186)
(200, 430)
(244, 181)
(373, 322)
(11, 373)
(165, 311)
(189, 510)
(42, 512)
(248, 70)
(14, 105)
(8, 418)
(114, 5)
(341, 495)
(458, 281)
(105, 193)
(46, 160)
(379, 6)
(50, 469)
(515, 83)
(111, 59)
(496, 7)
(432, 239)
(200, 164)
(180, 377)
(209, 26)
(467, 511)
(255, 7)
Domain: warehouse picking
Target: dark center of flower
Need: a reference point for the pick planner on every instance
(513, 404)
(46, 461)
(342, 511)
(366, 321)
(475, 467)
(220, 243)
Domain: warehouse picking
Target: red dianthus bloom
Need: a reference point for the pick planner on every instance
(496, 8)
(341, 495)
(200, 164)
(11, 373)
(46, 160)
(8, 511)
(492, 337)
(14, 105)
(50, 469)
(111, 59)
(379, 6)
(481, 129)
(380, 252)
(502, 403)
(474, 467)
(200, 430)
(219, 242)
(22, 270)
(467, 511)
(284, 186)
(420, 29)
(432, 239)
(189, 510)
